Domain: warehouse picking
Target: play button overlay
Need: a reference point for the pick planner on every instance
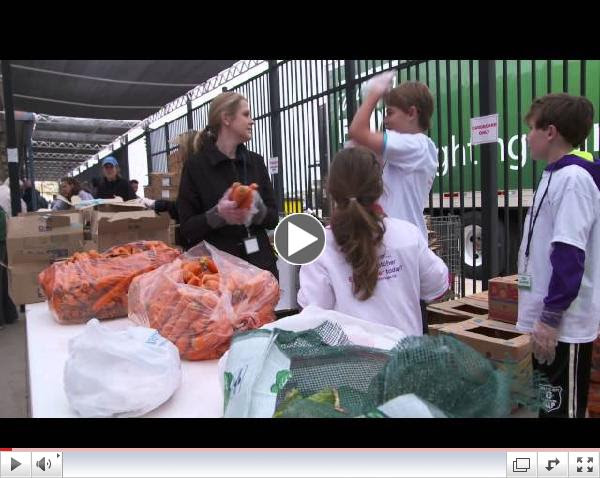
(300, 239)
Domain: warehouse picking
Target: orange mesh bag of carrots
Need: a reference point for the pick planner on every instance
(94, 285)
(201, 299)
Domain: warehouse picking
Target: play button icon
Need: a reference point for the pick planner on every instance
(15, 464)
(299, 239)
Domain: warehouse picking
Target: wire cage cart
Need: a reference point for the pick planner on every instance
(444, 234)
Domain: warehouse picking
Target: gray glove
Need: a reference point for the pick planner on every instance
(261, 209)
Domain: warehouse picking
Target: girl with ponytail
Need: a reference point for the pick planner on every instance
(373, 267)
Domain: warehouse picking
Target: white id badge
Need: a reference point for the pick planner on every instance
(251, 245)
(524, 281)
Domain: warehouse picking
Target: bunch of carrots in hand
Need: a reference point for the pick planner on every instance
(198, 306)
(92, 284)
(243, 195)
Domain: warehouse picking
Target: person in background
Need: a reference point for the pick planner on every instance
(135, 184)
(170, 207)
(70, 187)
(94, 186)
(373, 267)
(8, 311)
(85, 186)
(5, 198)
(112, 184)
(29, 192)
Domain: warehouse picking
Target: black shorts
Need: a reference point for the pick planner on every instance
(424, 318)
(569, 377)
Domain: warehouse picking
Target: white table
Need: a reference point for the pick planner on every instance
(199, 395)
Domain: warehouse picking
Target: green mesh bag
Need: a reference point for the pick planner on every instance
(446, 373)
(320, 374)
(323, 358)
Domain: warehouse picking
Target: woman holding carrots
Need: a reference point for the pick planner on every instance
(225, 195)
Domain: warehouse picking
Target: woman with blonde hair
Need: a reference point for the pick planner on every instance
(217, 158)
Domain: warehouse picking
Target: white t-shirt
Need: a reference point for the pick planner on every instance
(5, 201)
(408, 271)
(410, 162)
(568, 214)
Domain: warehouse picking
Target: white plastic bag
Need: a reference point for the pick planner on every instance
(120, 373)
(410, 406)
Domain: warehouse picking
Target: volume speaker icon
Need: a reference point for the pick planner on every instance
(43, 464)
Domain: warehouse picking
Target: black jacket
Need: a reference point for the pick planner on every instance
(163, 205)
(119, 187)
(28, 198)
(204, 179)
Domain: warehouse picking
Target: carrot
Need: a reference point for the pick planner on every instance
(93, 284)
(200, 320)
(208, 265)
(182, 343)
(195, 280)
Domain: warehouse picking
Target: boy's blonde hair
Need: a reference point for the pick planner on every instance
(412, 93)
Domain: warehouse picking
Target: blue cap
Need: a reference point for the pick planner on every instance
(110, 160)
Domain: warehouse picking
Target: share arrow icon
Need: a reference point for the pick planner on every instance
(550, 467)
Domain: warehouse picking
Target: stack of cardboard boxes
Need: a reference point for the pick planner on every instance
(166, 185)
(486, 322)
(504, 299)
(35, 240)
(162, 186)
(495, 334)
(113, 224)
(33, 243)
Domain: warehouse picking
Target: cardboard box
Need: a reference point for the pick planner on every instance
(162, 186)
(33, 243)
(434, 329)
(453, 311)
(42, 238)
(494, 340)
(175, 164)
(504, 299)
(163, 180)
(522, 371)
(481, 296)
(506, 348)
(116, 228)
(173, 226)
(89, 245)
(120, 207)
(476, 300)
(169, 193)
(23, 286)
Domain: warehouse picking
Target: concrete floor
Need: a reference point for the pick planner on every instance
(14, 393)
